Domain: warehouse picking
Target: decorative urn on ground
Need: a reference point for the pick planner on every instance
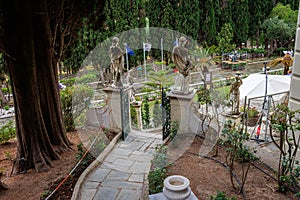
(177, 187)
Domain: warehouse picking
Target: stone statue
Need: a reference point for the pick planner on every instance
(235, 94)
(181, 58)
(116, 55)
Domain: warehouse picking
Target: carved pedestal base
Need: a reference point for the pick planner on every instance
(181, 110)
(234, 118)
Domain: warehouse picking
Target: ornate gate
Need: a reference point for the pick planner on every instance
(125, 111)
(166, 114)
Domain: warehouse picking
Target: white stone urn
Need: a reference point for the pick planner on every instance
(176, 187)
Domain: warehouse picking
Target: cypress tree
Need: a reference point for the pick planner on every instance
(257, 17)
(241, 18)
(146, 113)
(154, 12)
(188, 17)
(209, 26)
(121, 16)
(226, 15)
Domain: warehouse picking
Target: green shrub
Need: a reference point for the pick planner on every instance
(252, 112)
(4, 90)
(87, 78)
(159, 171)
(68, 82)
(74, 101)
(174, 130)
(133, 116)
(234, 140)
(8, 131)
(137, 98)
(6, 107)
(221, 196)
(156, 180)
(146, 112)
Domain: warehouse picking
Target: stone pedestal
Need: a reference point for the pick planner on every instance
(234, 118)
(138, 108)
(181, 110)
(114, 103)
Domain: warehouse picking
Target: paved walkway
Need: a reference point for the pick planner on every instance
(124, 171)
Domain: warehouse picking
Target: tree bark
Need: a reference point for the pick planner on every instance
(41, 136)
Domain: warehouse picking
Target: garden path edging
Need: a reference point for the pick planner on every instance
(93, 165)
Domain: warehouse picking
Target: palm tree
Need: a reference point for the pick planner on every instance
(286, 61)
(202, 59)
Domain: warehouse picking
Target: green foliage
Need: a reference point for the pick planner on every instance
(210, 23)
(146, 112)
(287, 123)
(87, 78)
(98, 145)
(157, 114)
(234, 138)
(159, 172)
(252, 112)
(6, 107)
(203, 60)
(146, 89)
(7, 131)
(225, 38)
(81, 151)
(160, 157)
(45, 194)
(68, 82)
(204, 97)
(234, 141)
(156, 180)
(240, 18)
(276, 28)
(258, 14)
(133, 116)
(74, 100)
(221, 196)
(174, 130)
(286, 13)
(161, 78)
(137, 98)
(281, 24)
(4, 90)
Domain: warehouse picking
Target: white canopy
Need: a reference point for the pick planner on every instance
(254, 85)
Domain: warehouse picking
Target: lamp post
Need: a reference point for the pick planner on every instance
(266, 102)
(266, 89)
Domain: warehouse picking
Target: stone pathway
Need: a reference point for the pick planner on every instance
(122, 174)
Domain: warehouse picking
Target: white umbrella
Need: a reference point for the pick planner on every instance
(255, 84)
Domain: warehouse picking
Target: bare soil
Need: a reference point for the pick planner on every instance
(32, 185)
(208, 175)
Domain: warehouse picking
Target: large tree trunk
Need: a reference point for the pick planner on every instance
(40, 132)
